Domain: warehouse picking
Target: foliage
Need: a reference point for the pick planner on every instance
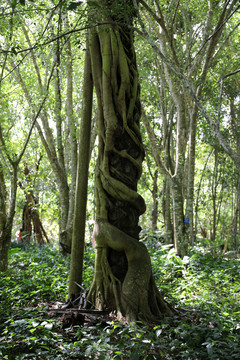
(202, 287)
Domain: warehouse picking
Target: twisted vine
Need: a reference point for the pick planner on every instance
(119, 282)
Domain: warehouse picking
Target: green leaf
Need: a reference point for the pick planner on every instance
(134, 356)
(74, 5)
(93, 3)
(14, 4)
(13, 251)
(22, 2)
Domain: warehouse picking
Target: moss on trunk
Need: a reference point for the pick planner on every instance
(123, 278)
(136, 296)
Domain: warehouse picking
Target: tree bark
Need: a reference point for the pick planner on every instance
(3, 221)
(122, 279)
(7, 218)
(72, 133)
(166, 207)
(136, 296)
(77, 252)
(155, 201)
(189, 212)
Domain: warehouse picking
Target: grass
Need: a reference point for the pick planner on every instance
(204, 287)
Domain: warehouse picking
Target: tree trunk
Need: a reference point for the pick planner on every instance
(5, 240)
(136, 295)
(3, 220)
(82, 182)
(191, 174)
(3, 198)
(155, 201)
(72, 133)
(123, 280)
(180, 224)
(7, 217)
(31, 223)
(166, 207)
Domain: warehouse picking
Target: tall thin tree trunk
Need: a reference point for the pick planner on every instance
(155, 201)
(72, 133)
(77, 252)
(214, 195)
(6, 231)
(3, 221)
(189, 212)
(180, 236)
(166, 207)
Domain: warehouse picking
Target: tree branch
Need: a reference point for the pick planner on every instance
(234, 156)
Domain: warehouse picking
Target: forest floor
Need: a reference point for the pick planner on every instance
(204, 288)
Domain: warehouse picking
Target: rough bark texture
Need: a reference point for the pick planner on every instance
(123, 279)
(136, 295)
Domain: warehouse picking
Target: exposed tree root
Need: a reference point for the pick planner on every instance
(136, 297)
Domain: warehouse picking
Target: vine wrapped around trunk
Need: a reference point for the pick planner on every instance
(123, 278)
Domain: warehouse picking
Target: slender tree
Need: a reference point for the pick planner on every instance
(78, 237)
(185, 62)
(12, 165)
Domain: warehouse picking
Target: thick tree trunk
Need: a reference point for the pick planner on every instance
(123, 279)
(136, 295)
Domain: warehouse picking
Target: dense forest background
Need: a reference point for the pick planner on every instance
(188, 69)
(187, 57)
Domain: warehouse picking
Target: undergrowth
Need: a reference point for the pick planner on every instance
(204, 288)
